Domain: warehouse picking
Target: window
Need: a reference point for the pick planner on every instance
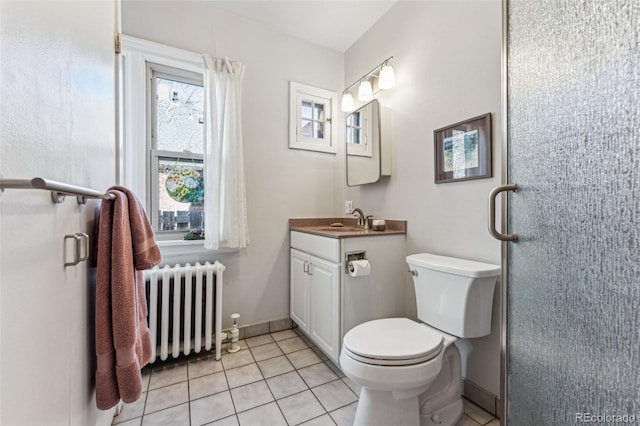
(162, 139)
(310, 117)
(354, 129)
(359, 132)
(176, 151)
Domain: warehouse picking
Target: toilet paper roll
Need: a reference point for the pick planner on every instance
(359, 268)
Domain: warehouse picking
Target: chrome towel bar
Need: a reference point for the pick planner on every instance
(58, 189)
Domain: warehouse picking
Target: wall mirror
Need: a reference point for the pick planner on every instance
(367, 136)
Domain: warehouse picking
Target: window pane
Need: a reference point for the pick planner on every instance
(180, 194)
(319, 130)
(318, 112)
(179, 118)
(354, 119)
(353, 136)
(307, 107)
(307, 128)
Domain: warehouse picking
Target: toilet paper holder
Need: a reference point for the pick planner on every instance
(353, 255)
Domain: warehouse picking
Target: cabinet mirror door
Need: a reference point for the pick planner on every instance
(363, 144)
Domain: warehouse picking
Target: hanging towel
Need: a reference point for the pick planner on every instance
(126, 246)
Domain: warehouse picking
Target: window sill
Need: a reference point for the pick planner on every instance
(172, 248)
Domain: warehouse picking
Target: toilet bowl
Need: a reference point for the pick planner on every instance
(410, 371)
(396, 360)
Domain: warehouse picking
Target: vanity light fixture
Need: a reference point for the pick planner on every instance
(386, 80)
(365, 91)
(348, 104)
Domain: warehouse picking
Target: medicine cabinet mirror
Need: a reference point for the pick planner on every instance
(367, 136)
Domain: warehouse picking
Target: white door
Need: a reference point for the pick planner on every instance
(324, 292)
(299, 289)
(58, 122)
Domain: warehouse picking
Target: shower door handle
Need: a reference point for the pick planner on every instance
(512, 187)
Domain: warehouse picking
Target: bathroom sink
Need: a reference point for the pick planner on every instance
(340, 229)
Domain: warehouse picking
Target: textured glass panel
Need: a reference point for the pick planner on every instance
(574, 150)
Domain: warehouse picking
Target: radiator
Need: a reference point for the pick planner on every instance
(184, 308)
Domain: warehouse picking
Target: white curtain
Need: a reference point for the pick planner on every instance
(225, 201)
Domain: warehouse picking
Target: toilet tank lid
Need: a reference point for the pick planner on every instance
(452, 265)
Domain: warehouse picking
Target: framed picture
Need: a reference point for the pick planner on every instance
(463, 150)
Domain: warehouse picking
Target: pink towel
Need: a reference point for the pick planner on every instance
(126, 246)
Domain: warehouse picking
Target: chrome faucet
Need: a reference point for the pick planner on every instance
(362, 221)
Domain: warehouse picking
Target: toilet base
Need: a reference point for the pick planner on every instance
(443, 402)
(376, 408)
(446, 416)
(380, 408)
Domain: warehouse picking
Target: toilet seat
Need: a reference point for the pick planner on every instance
(392, 341)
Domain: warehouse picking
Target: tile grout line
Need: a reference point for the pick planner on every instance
(265, 382)
(188, 394)
(224, 370)
(333, 368)
(274, 400)
(341, 406)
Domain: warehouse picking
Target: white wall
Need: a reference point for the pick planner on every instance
(281, 183)
(57, 121)
(447, 63)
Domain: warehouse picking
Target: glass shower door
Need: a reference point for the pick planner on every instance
(573, 278)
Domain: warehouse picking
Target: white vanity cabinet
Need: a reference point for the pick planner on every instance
(326, 302)
(315, 289)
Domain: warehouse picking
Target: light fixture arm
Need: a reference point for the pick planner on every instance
(370, 73)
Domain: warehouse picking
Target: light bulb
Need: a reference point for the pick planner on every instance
(387, 78)
(365, 92)
(348, 103)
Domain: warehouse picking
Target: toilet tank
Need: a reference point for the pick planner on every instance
(454, 295)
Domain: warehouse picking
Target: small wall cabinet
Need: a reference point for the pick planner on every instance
(311, 114)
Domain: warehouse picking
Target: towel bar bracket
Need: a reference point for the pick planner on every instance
(57, 197)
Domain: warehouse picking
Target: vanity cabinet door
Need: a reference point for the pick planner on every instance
(324, 306)
(299, 289)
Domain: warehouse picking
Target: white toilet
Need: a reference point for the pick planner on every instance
(410, 371)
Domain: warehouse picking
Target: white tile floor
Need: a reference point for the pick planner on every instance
(275, 379)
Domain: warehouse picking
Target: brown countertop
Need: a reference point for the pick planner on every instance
(321, 226)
